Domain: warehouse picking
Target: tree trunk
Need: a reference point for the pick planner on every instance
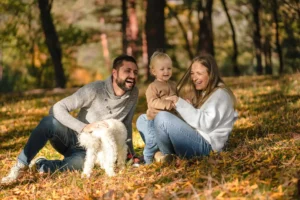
(155, 27)
(184, 33)
(205, 34)
(104, 44)
(132, 30)
(292, 52)
(236, 70)
(124, 26)
(278, 46)
(257, 36)
(190, 27)
(1, 63)
(52, 41)
(268, 55)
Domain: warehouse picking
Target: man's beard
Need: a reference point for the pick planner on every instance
(122, 84)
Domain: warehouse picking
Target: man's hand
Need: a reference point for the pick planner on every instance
(93, 126)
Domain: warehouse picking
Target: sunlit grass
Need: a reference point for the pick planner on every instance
(261, 160)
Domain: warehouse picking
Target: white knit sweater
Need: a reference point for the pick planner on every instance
(213, 120)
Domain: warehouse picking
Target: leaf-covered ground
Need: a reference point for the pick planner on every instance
(261, 161)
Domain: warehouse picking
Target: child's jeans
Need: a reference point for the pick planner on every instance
(147, 132)
(171, 135)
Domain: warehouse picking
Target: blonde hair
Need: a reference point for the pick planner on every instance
(186, 88)
(157, 55)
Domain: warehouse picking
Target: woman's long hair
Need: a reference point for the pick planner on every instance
(186, 88)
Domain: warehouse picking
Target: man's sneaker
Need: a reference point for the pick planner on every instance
(133, 160)
(34, 164)
(14, 173)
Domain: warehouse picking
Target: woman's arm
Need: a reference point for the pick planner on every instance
(211, 113)
(128, 124)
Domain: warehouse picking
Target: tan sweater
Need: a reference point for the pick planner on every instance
(156, 93)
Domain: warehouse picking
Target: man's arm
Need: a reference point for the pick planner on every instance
(128, 123)
(80, 99)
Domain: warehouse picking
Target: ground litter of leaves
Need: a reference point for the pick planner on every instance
(261, 159)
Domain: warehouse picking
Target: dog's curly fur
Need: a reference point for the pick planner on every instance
(105, 146)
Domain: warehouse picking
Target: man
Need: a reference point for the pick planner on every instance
(115, 97)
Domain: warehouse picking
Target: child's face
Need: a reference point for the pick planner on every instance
(162, 69)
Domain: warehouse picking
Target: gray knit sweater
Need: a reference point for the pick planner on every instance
(97, 101)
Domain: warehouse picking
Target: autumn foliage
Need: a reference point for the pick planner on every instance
(261, 159)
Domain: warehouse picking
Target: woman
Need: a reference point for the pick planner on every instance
(206, 107)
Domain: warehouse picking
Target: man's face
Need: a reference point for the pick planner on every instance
(126, 75)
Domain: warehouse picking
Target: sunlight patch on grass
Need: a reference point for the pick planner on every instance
(138, 141)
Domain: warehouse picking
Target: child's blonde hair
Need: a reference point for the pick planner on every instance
(157, 55)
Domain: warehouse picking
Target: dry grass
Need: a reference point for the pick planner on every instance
(261, 161)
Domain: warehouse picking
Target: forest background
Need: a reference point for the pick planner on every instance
(67, 43)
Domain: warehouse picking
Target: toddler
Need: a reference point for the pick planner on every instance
(157, 91)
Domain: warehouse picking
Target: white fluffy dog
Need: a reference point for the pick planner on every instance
(105, 146)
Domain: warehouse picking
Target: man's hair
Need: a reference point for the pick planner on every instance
(118, 61)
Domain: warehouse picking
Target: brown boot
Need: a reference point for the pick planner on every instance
(158, 156)
(167, 158)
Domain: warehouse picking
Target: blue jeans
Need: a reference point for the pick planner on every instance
(175, 136)
(63, 140)
(148, 134)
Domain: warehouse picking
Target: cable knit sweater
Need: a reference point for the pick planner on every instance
(213, 120)
(97, 101)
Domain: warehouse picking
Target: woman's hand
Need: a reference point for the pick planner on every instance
(173, 98)
(96, 125)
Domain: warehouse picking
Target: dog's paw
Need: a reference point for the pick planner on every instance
(122, 171)
(110, 173)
